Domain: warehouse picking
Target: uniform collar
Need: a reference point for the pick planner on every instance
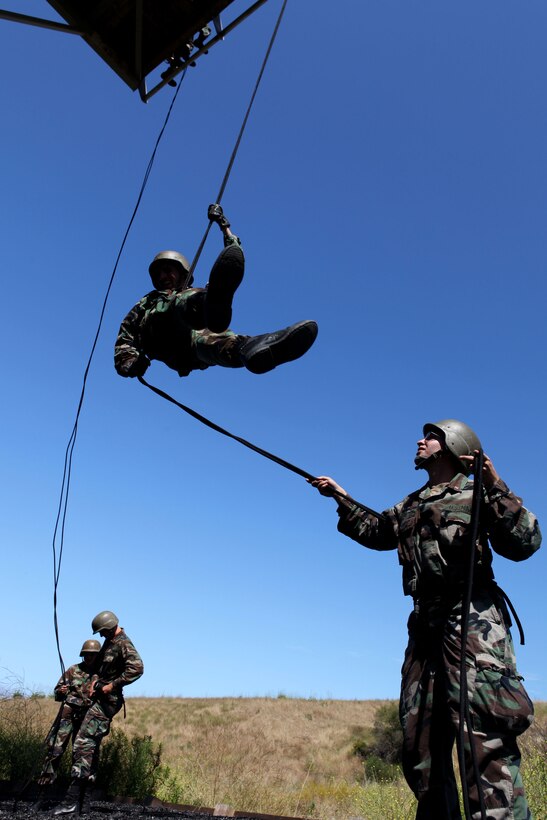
(455, 485)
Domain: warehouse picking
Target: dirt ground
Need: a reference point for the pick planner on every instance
(11, 809)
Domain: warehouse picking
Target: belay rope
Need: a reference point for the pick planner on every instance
(278, 460)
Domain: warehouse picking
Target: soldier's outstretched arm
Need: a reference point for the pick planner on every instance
(378, 532)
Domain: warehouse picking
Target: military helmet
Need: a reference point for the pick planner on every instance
(90, 646)
(172, 256)
(104, 620)
(459, 438)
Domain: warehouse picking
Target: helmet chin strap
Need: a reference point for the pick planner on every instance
(420, 463)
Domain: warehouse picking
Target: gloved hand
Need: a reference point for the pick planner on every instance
(135, 367)
(216, 214)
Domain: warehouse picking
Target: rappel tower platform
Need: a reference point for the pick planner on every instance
(134, 37)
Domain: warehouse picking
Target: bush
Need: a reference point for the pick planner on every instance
(130, 768)
(534, 768)
(385, 739)
(380, 771)
(22, 739)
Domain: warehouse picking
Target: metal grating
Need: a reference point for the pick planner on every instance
(136, 36)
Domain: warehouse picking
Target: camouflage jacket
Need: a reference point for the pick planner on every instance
(146, 330)
(119, 664)
(78, 678)
(430, 530)
(119, 661)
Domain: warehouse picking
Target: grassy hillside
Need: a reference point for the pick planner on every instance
(284, 755)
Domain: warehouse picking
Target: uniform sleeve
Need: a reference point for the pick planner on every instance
(368, 530)
(65, 680)
(513, 530)
(133, 665)
(61, 682)
(232, 240)
(127, 351)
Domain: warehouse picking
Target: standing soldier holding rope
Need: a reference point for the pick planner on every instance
(74, 690)
(430, 529)
(119, 664)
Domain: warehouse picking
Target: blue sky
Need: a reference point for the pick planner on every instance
(391, 185)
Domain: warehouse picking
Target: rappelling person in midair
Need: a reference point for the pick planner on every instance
(187, 328)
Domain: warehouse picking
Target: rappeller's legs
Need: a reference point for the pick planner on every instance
(224, 279)
(259, 354)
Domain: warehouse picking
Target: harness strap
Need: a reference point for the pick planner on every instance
(505, 597)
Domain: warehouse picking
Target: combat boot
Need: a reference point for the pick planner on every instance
(40, 802)
(85, 796)
(71, 802)
(261, 354)
(224, 280)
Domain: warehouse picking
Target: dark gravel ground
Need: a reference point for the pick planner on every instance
(107, 810)
(99, 811)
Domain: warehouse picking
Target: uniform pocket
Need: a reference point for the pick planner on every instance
(499, 702)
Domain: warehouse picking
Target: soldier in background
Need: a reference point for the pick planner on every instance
(430, 529)
(187, 328)
(74, 690)
(119, 664)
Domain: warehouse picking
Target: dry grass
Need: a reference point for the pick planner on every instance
(283, 755)
(308, 736)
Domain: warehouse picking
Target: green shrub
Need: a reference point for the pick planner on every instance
(130, 768)
(534, 769)
(380, 771)
(22, 739)
(385, 740)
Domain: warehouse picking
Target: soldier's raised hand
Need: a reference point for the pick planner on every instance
(489, 473)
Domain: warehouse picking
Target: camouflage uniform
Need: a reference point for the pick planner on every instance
(169, 325)
(120, 664)
(75, 705)
(430, 531)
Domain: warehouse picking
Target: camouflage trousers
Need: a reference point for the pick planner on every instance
(66, 726)
(86, 743)
(175, 334)
(429, 711)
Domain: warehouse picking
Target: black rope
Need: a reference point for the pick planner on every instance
(278, 460)
(240, 135)
(53, 731)
(60, 521)
(465, 714)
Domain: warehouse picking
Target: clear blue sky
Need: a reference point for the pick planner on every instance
(392, 185)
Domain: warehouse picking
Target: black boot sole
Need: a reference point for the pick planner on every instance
(225, 278)
(289, 345)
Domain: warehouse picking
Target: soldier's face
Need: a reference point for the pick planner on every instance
(429, 444)
(107, 633)
(167, 276)
(89, 658)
